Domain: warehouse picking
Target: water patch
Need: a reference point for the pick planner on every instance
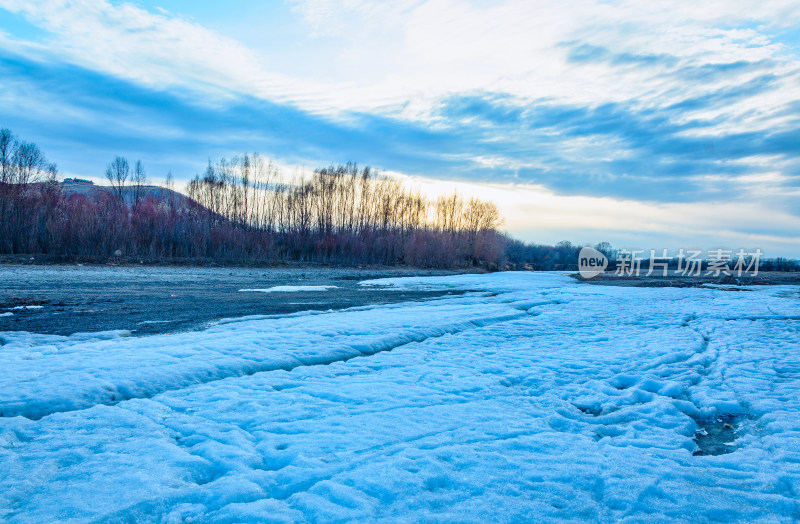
(717, 435)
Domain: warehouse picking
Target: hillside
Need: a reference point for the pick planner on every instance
(94, 192)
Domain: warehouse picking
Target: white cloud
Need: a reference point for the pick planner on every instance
(414, 52)
(156, 50)
(537, 214)
(403, 58)
(516, 46)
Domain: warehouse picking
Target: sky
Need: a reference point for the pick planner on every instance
(645, 124)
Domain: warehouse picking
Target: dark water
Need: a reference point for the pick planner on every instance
(717, 436)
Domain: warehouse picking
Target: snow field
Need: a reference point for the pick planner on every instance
(531, 398)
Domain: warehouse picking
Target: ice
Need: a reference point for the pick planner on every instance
(107, 368)
(530, 397)
(15, 308)
(289, 289)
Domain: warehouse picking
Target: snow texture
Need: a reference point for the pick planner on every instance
(289, 289)
(528, 398)
(25, 307)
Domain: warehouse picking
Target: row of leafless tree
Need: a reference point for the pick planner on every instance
(245, 211)
(346, 214)
(241, 210)
(21, 164)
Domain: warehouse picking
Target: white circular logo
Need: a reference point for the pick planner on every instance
(591, 262)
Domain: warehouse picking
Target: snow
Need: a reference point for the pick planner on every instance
(530, 397)
(24, 307)
(289, 289)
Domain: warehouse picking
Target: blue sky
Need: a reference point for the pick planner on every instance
(661, 125)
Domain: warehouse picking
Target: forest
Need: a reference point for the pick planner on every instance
(240, 211)
(244, 211)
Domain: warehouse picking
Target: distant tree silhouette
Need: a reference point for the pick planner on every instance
(117, 174)
(241, 210)
(138, 183)
(244, 211)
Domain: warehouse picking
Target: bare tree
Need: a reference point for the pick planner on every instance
(28, 163)
(169, 185)
(117, 174)
(6, 152)
(244, 209)
(138, 182)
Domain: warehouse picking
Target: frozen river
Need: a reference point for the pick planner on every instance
(517, 397)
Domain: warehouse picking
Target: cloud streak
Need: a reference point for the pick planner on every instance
(681, 105)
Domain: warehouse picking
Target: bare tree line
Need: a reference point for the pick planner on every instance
(21, 164)
(349, 215)
(241, 210)
(244, 211)
(118, 173)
